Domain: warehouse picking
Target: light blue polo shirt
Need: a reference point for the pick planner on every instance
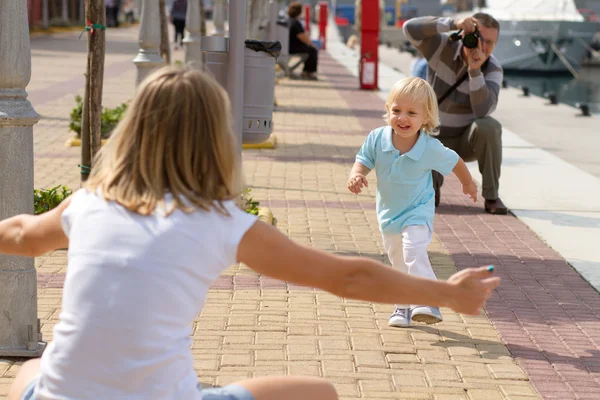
(405, 194)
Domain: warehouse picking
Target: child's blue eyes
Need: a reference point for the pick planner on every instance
(410, 112)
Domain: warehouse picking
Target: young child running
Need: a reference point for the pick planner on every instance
(153, 228)
(403, 154)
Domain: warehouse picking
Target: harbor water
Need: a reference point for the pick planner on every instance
(568, 90)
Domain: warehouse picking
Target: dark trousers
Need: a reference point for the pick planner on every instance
(179, 28)
(310, 65)
(482, 141)
(115, 13)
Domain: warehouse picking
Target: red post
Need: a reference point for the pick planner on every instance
(323, 23)
(307, 19)
(369, 45)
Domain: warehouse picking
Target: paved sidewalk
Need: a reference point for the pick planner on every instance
(254, 326)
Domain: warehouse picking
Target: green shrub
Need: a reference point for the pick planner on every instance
(47, 199)
(109, 119)
(248, 204)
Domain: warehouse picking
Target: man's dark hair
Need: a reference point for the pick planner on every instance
(294, 9)
(487, 20)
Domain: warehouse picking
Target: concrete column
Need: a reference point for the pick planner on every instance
(192, 40)
(235, 72)
(19, 326)
(219, 17)
(148, 58)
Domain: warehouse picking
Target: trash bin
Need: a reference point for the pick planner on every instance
(216, 56)
(259, 90)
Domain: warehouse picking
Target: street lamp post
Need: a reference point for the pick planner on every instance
(19, 325)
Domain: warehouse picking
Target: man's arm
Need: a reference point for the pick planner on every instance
(425, 33)
(485, 88)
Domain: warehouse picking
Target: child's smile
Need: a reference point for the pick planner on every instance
(406, 117)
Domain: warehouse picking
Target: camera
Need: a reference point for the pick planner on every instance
(470, 40)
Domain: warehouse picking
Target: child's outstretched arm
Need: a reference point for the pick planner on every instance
(358, 178)
(31, 236)
(269, 252)
(468, 185)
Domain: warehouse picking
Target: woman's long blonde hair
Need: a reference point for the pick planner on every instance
(175, 138)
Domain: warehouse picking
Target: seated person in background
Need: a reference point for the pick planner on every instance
(300, 41)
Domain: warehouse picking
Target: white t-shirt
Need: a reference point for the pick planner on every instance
(134, 285)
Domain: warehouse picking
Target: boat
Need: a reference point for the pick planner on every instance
(541, 35)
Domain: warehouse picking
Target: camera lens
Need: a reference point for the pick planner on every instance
(471, 41)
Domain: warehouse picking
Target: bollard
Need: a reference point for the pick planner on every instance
(19, 325)
(323, 23)
(552, 97)
(585, 109)
(148, 58)
(192, 39)
(369, 45)
(307, 19)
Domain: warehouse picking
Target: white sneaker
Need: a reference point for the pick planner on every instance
(427, 315)
(400, 318)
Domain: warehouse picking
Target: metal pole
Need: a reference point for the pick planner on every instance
(65, 10)
(45, 21)
(272, 35)
(81, 10)
(235, 72)
(19, 325)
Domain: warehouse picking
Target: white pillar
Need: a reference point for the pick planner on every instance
(192, 40)
(235, 72)
(219, 17)
(148, 58)
(19, 326)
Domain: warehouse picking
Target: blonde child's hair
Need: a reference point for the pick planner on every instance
(175, 138)
(418, 90)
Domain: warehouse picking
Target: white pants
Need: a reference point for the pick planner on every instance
(407, 252)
